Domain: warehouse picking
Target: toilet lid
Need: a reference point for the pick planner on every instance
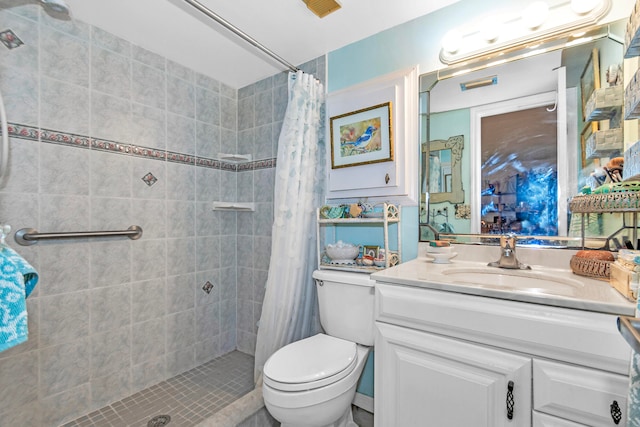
(310, 363)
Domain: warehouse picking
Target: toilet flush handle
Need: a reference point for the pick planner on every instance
(319, 282)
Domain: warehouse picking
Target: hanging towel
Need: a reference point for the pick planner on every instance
(17, 280)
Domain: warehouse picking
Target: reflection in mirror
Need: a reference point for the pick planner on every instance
(517, 187)
(522, 193)
(444, 160)
(440, 171)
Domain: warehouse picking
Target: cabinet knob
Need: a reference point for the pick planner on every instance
(387, 179)
(616, 413)
(510, 401)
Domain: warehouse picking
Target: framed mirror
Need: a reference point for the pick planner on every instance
(444, 160)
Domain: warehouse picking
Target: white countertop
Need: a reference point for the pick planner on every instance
(578, 293)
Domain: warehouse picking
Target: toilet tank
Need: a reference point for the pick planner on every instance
(346, 302)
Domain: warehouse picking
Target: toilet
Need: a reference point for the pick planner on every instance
(312, 382)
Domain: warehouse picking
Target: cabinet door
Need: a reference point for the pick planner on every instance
(427, 380)
(583, 395)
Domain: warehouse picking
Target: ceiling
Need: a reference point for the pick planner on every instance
(174, 29)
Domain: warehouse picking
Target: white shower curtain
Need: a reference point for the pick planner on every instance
(289, 310)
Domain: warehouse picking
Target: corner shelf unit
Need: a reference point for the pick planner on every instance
(390, 215)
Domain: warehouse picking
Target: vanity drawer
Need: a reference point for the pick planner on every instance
(579, 394)
(543, 420)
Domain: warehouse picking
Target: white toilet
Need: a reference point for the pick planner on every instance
(311, 382)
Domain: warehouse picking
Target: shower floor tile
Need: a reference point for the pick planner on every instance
(188, 398)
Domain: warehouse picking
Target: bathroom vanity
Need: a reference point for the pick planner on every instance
(463, 344)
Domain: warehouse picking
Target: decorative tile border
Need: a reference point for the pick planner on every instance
(54, 137)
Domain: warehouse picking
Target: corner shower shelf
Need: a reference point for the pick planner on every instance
(234, 206)
(237, 158)
(390, 215)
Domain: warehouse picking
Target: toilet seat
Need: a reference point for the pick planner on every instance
(310, 363)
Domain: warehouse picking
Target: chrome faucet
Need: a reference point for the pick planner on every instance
(436, 233)
(508, 254)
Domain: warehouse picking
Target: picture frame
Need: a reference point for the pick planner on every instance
(362, 137)
(373, 251)
(589, 79)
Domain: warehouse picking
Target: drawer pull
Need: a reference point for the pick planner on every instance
(510, 402)
(616, 413)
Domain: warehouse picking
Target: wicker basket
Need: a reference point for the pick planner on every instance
(594, 268)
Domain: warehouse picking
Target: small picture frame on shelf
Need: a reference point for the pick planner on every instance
(371, 251)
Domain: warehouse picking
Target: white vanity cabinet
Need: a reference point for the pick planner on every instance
(431, 380)
(446, 359)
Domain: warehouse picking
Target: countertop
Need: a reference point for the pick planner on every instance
(576, 292)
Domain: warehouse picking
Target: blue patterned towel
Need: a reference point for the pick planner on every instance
(17, 280)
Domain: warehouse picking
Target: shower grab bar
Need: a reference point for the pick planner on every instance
(30, 236)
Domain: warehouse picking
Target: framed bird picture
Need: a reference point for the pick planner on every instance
(362, 137)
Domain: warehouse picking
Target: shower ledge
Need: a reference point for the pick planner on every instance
(238, 158)
(234, 206)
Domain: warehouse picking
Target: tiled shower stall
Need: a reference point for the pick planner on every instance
(104, 135)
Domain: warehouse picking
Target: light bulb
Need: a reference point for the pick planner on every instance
(451, 41)
(491, 29)
(584, 6)
(535, 14)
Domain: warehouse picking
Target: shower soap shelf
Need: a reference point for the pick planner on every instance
(330, 230)
(234, 206)
(236, 158)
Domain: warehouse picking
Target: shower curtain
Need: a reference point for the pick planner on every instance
(289, 310)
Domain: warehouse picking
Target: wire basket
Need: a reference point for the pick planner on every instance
(589, 267)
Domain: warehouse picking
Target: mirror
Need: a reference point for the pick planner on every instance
(444, 161)
(531, 112)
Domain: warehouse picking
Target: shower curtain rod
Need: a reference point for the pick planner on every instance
(211, 14)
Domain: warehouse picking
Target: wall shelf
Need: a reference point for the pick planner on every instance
(390, 215)
(604, 103)
(626, 202)
(603, 143)
(236, 158)
(234, 206)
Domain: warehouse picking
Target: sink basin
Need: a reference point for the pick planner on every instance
(515, 280)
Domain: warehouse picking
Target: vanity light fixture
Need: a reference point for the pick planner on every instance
(507, 28)
(526, 49)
